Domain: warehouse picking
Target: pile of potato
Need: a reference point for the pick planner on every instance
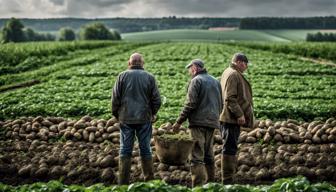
(85, 129)
(86, 151)
(291, 131)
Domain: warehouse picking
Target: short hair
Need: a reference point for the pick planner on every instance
(136, 59)
(239, 57)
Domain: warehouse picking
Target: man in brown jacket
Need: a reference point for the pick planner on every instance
(237, 112)
(202, 108)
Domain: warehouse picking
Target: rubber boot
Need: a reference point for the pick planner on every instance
(198, 175)
(228, 168)
(147, 168)
(125, 164)
(210, 169)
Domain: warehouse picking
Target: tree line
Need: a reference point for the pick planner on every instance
(319, 37)
(15, 31)
(125, 25)
(288, 23)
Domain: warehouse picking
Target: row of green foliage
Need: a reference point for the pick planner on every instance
(281, 185)
(305, 49)
(15, 58)
(283, 85)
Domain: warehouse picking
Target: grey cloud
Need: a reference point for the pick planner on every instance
(57, 2)
(160, 8)
(246, 8)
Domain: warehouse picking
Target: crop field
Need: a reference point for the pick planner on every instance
(56, 122)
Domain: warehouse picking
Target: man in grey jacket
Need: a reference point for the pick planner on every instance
(135, 103)
(202, 108)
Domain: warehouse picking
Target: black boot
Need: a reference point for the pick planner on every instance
(198, 175)
(147, 168)
(210, 169)
(125, 164)
(228, 168)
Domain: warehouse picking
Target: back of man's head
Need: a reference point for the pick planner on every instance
(136, 59)
(239, 57)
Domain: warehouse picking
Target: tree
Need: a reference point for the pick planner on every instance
(96, 31)
(29, 34)
(116, 35)
(67, 34)
(13, 31)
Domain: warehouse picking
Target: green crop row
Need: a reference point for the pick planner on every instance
(304, 49)
(286, 184)
(284, 86)
(15, 58)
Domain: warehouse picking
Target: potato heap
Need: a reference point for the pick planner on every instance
(86, 151)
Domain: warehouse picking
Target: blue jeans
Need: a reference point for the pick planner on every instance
(143, 132)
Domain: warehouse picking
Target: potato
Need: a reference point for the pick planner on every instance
(91, 137)
(332, 138)
(91, 129)
(308, 135)
(316, 139)
(268, 122)
(278, 137)
(99, 139)
(333, 131)
(316, 128)
(97, 134)
(42, 172)
(262, 174)
(251, 139)
(46, 123)
(293, 121)
(313, 124)
(267, 138)
(262, 124)
(67, 135)
(260, 133)
(18, 121)
(78, 136)
(57, 171)
(62, 126)
(80, 124)
(313, 149)
(271, 131)
(242, 137)
(294, 137)
(38, 119)
(330, 120)
(73, 131)
(305, 125)
(25, 171)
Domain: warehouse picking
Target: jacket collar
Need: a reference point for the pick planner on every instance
(235, 68)
(204, 71)
(136, 67)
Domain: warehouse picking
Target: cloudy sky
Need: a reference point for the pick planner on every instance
(160, 8)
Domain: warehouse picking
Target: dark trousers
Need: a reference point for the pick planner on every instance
(230, 134)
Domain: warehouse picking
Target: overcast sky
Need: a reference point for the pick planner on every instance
(161, 8)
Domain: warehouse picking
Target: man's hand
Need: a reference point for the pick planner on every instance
(176, 127)
(241, 120)
(154, 118)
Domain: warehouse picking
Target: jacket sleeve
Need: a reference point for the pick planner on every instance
(232, 96)
(191, 101)
(116, 97)
(155, 98)
(221, 104)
